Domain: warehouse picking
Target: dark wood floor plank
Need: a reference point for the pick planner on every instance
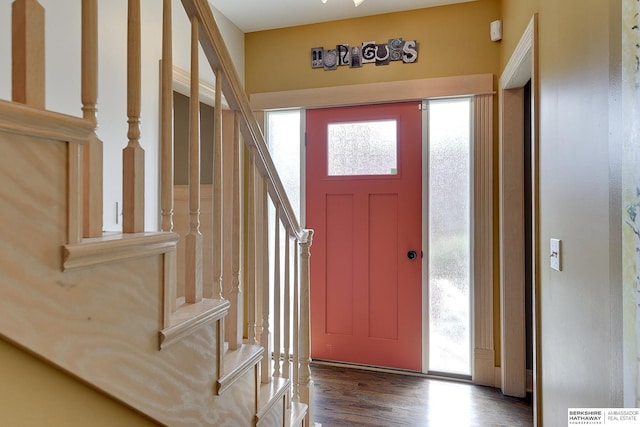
(353, 397)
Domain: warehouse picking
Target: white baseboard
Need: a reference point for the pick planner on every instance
(483, 372)
(497, 377)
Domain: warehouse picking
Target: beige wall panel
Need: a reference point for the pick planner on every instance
(578, 316)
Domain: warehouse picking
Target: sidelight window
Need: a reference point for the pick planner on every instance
(449, 231)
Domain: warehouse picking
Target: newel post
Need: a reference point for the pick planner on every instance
(306, 387)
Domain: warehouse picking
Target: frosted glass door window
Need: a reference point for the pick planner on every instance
(362, 148)
(449, 229)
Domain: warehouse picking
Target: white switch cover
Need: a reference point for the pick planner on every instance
(554, 254)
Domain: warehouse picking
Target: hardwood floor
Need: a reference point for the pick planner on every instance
(352, 397)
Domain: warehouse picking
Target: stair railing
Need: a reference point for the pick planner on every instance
(285, 332)
(281, 294)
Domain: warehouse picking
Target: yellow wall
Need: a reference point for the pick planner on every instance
(453, 40)
(516, 15)
(35, 394)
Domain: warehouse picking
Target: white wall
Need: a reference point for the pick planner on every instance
(63, 28)
(234, 38)
(579, 203)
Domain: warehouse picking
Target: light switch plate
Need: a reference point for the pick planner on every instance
(554, 254)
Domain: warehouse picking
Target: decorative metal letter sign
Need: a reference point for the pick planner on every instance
(369, 52)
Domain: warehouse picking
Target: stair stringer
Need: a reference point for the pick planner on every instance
(99, 323)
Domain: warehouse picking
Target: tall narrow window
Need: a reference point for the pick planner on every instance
(449, 231)
(283, 137)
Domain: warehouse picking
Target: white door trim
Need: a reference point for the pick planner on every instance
(522, 67)
(481, 87)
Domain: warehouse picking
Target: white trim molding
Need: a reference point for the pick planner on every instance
(371, 93)
(483, 343)
(521, 68)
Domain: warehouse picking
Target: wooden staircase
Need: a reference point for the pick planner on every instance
(106, 307)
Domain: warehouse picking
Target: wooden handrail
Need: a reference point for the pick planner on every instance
(219, 58)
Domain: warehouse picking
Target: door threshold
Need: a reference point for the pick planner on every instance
(430, 375)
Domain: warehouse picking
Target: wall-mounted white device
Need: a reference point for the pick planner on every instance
(496, 30)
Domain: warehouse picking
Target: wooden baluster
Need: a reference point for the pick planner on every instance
(276, 296)
(218, 230)
(251, 248)
(193, 240)
(286, 366)
(306, 383)
(296, 328)
(74, 193)
(220, 347)
(92, 151)
(27, 47)
(233, 329)
(263, 228)
(89, 59)
(133, 154)
(28, 73)
(166, 120)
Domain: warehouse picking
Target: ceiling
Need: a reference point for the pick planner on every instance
(257, 15)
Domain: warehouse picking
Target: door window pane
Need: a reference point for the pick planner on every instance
(362, 148)
(449, 236)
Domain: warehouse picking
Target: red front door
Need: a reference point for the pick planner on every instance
(364, 203)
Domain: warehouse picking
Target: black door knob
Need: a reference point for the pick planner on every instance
(412, 255)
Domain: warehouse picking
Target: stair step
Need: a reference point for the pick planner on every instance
(270, 396)
(237, 363)
(296, 413)
(188, 318)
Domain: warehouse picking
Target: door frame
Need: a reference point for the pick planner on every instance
(521, 67)
(481, 87)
